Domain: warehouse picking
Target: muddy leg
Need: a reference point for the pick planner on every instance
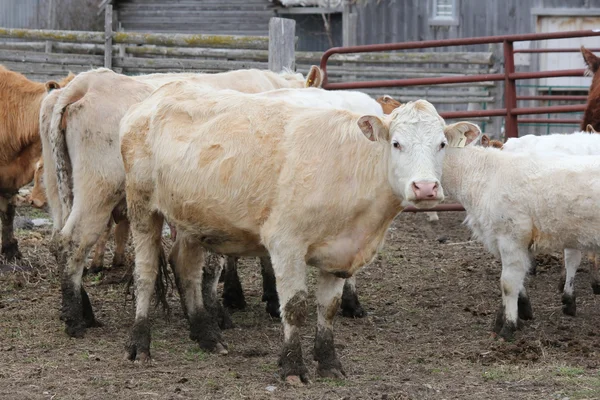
(97, 264)
(76, 311)
(269, 287)
(121, 238)
(187, 260)
(233, 294)
(213, 266)
(10, 246)
(515, 264)
(533, 264)
(290, 272)
(351, 307)
(329, 292)
(146, 229)
(572, 261)
(594, 276)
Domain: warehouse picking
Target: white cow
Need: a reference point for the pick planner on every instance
(519, 204)
(577, 143)
(84, 175)
(244, 175)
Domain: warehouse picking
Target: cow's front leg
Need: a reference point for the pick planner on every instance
(515, 265)
(10, 246)
(146, 229)
(233, 294)
(351, 307)
(187, 260)
(290, 273)
(329, 295)
(269, 287)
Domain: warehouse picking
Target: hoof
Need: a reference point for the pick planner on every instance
(221, 349)
(296, 380)
(353, 312)
(225, 321)
(569, 305)
(524, 307)
(234, 302)
(10, 250)
(139, 343)
(272, 309)
(596, 287)
(75, 331)
(332, 373)
(507, 332)
(96, 269)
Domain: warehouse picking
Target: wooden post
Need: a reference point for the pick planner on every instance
(282, 44)
(349, 26)
(108, 32)
(51, 24)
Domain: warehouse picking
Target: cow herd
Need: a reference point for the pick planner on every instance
(251, 163)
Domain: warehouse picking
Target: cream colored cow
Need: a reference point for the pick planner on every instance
(243, 175)
(84, 173)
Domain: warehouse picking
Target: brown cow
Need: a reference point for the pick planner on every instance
(20, 145)
(591, 116)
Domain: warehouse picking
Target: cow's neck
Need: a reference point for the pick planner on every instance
(465, 174)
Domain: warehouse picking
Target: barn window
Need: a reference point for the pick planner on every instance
(444, 12)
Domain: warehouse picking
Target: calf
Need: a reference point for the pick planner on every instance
(20, 146)
(591, 115)
(245, 175)
(519, 204)
(84, 175)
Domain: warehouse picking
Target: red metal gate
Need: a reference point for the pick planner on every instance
(510, 111)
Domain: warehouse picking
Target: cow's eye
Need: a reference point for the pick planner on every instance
(442, 145)
(397, 146)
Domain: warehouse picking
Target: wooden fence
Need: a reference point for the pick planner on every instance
(49, 54)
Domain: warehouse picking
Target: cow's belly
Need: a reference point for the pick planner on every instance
(346, 253)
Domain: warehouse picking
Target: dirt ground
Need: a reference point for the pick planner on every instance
(430, 296)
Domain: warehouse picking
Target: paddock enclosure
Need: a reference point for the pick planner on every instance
(431, 294)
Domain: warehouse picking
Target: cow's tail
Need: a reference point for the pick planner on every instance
(58, 142)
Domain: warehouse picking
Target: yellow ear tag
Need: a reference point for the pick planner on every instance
(462, 142)
(309, 82)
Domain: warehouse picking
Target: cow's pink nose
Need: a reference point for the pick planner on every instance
(425, 190)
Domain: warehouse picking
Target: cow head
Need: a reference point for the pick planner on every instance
(591, 115)
(415, 138)
(38, 194)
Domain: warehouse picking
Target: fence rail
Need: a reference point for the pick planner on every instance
(510, 110)
(509, 76)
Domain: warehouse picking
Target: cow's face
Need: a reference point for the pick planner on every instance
(416, 138)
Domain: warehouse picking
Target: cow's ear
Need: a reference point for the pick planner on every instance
(590, 129)
(461, 134)
(314, 77)
(51, 85)
(485, 141)
(590, 59)
(374, 128)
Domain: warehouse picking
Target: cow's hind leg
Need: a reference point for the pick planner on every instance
(269, 287)
(146, 229)
(515, 265)
(233, 294)
(572, 261)
(187, 260)
(76, 239)
(351, 307)
(97, 264)
(10, 246)
(594, 276)
(329, 295)
(121, 238)
(213, 267)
